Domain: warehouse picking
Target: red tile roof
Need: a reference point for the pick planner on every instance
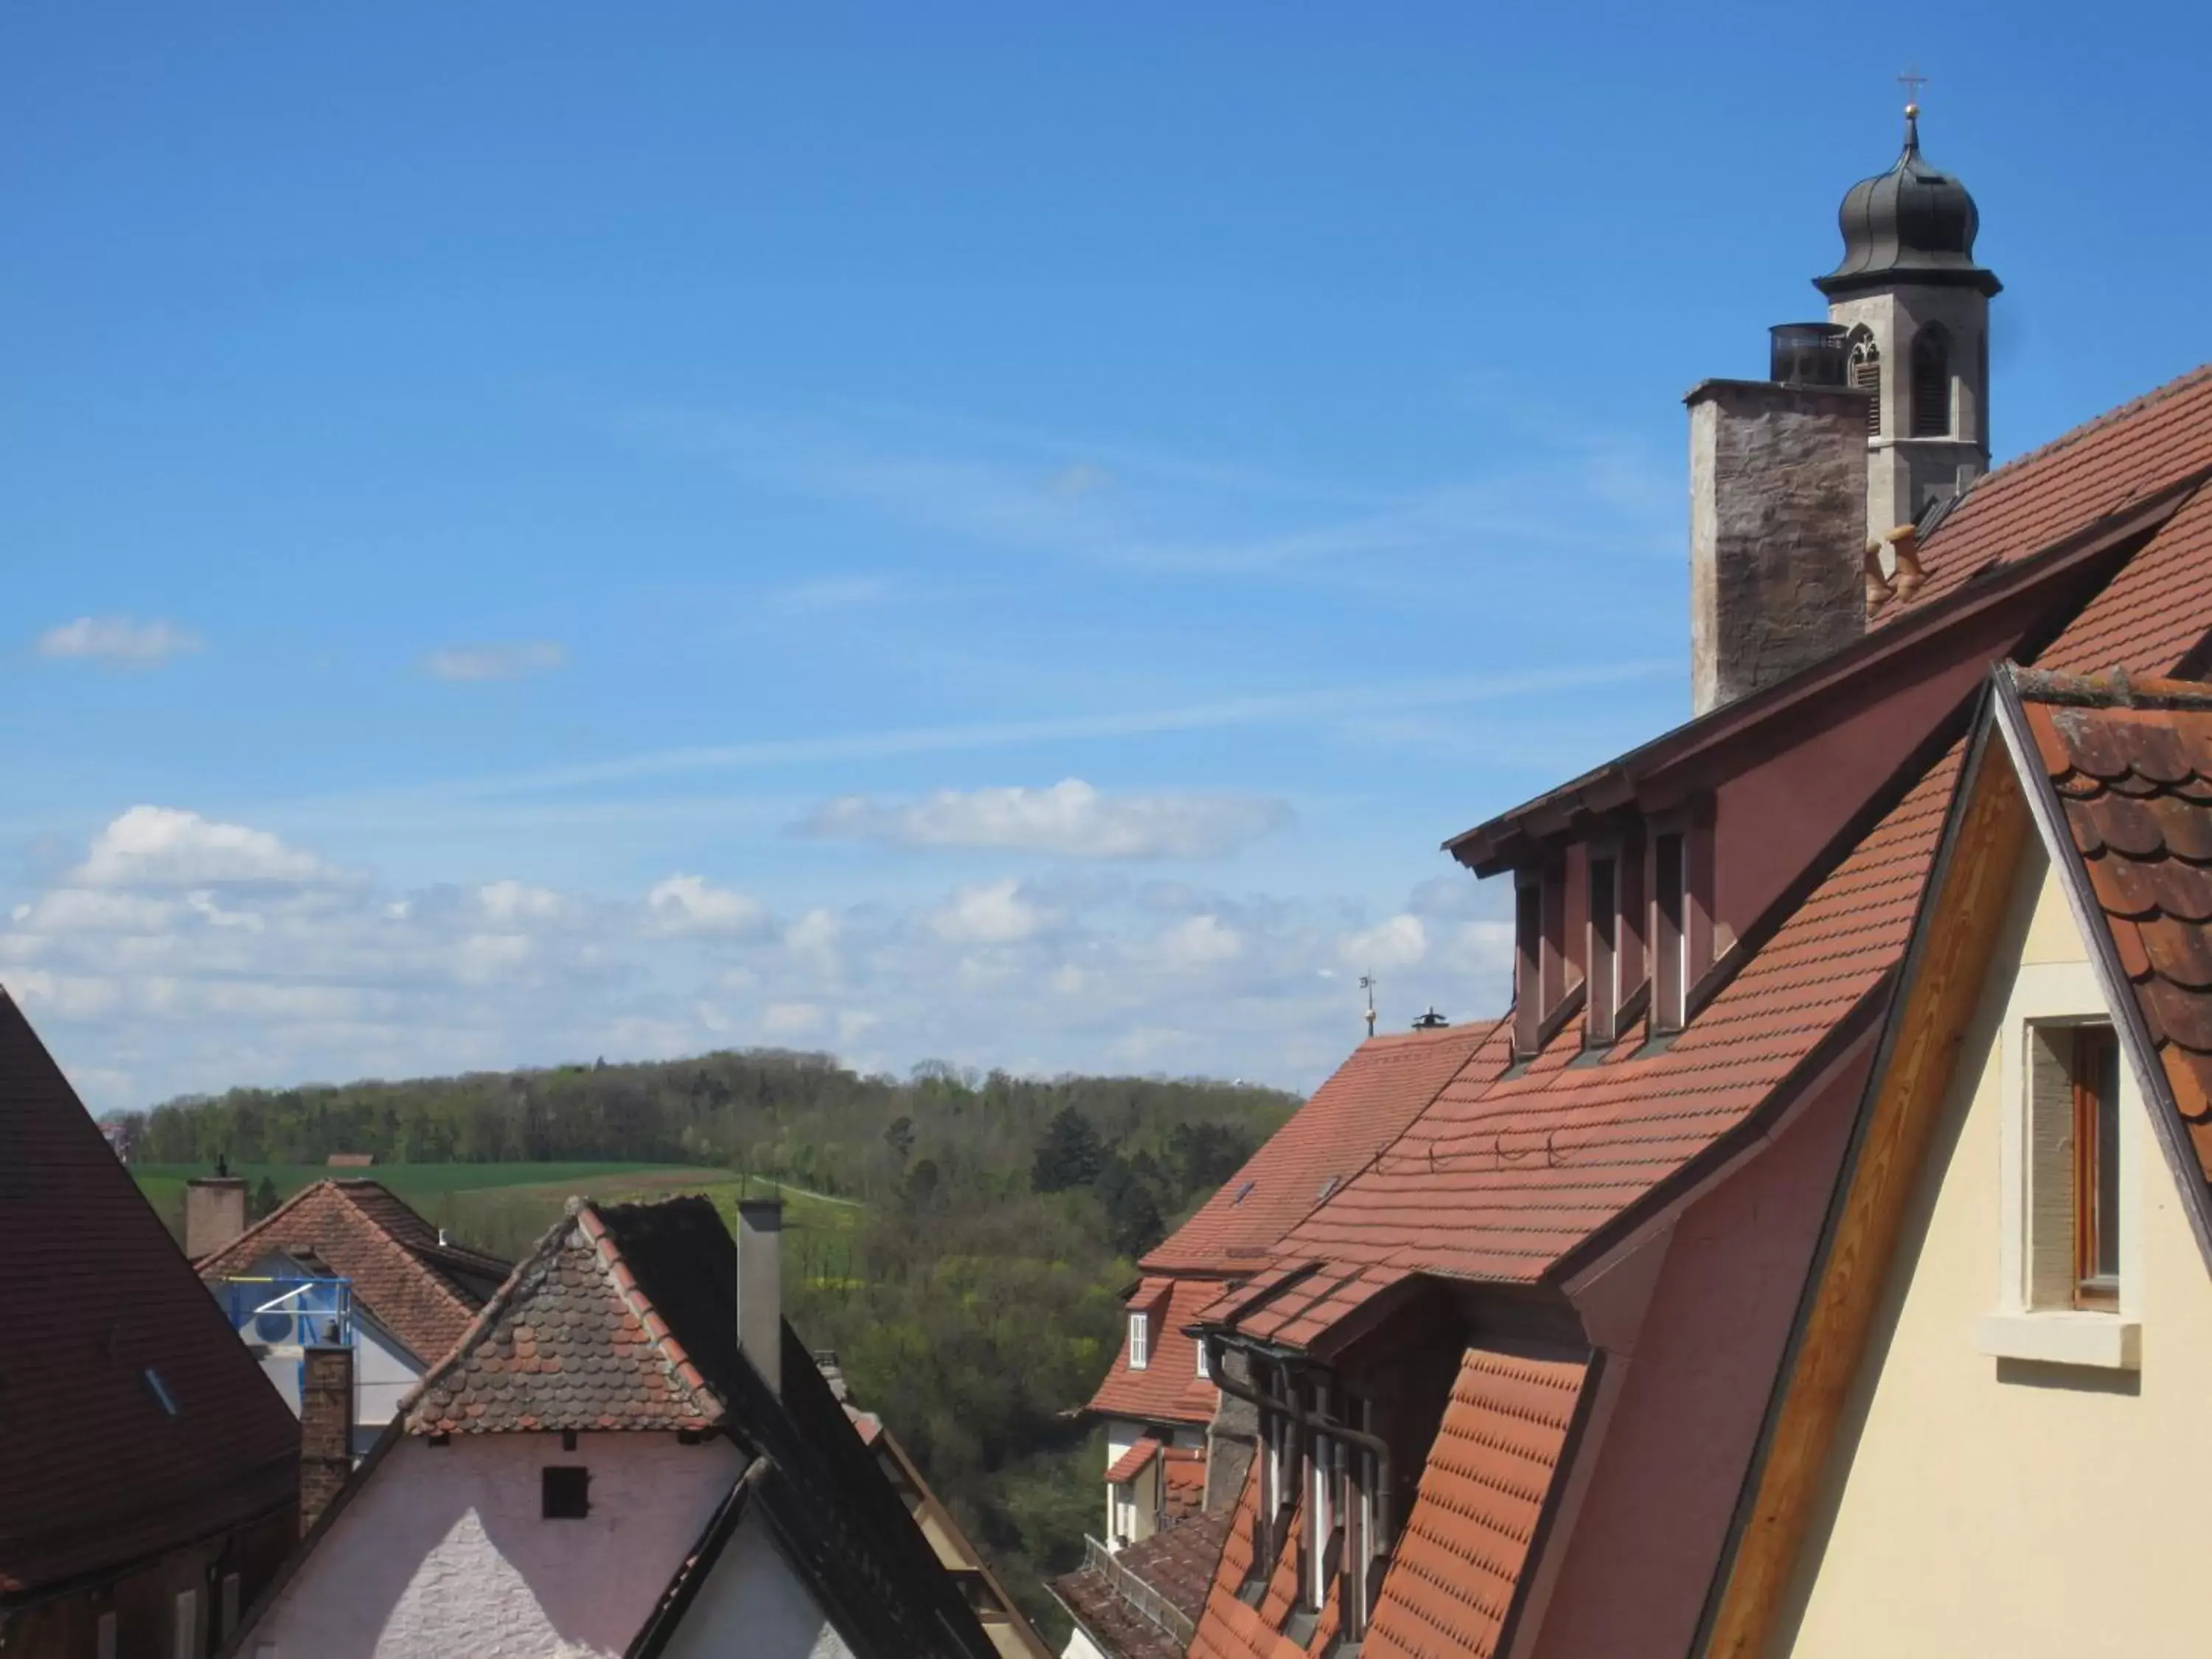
(1360, 1110)
(1182, 1470)
(1176, 1563)
(93, 1295)
(1168, 1388)
(2132, 766)
(1457, 1567)
(1131, 1463)
(2094, 472)
(424, 1292)
(572, 1341)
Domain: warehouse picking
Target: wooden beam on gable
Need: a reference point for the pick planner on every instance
(1969, 893)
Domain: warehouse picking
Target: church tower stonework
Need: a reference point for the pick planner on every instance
(1915, 309)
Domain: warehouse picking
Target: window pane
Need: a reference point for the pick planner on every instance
(2107, 1078)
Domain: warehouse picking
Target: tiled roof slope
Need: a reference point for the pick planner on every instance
(1177, 1563)
(94, 1292)
(1132, 1463)
(1361, 1110)
(569, 1342)
(1231, 1628)
(1168, 1388)
(2132, 766)
(1503, 1175)
(425, 1293)
(2094, 471)
(1182, 1475)
(1454, 1575)
(2155, 611)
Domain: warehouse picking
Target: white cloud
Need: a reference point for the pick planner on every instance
(164, 846)
(1072, 817)
(689, 904)
(996, 914)
(495, 662)
(1398, 942)
(514, 902)
(791, 1020)
(118, 641)
(1200, 942)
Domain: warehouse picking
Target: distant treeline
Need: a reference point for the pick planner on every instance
(800, 1117)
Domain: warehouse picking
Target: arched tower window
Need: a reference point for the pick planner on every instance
(1931, 384)
(1866, 374)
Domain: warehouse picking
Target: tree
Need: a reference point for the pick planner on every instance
(898, 1135)
(1069, 1154)
(1133, 1215)
(265, 1199)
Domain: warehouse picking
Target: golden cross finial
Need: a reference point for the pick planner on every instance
(1912, 80)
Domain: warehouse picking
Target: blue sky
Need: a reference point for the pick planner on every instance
(1000, 533)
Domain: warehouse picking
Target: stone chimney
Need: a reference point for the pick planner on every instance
(1777, 531)
(760, 1287)
(325, 1428)
(215, 1213)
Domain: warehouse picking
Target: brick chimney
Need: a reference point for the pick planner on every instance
(1777, 531)
(325, 1428)
(215, 1213)
(760, 1287)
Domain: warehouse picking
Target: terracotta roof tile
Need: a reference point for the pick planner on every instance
(2132, 766)
(2092, 472)
(93, 1294)
(1503, 1174)
(425, 1293)
(1168, 1388)
(1183, 1469)
(2155, 611)
(1361, 1110)
(1133, 1462)
(1456, 1568)
(572, 1341)
(1177, 1563)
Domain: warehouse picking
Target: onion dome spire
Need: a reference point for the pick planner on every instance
(1913, 224)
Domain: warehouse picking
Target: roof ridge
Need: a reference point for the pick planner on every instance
(431, 1275)
(264, 1224)
(2097, 423)
(673, 1354)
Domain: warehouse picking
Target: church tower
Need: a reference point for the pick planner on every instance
(1915, 309)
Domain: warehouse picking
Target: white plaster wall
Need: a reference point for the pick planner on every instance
(382, 1373)
(442, 1551)
(1981, 1506)
(1080, 1646)
(754, 1607)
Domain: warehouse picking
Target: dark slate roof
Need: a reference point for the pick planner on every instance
(94, 1469)
(624, 1318)
(1914, 223)
(421, 1290)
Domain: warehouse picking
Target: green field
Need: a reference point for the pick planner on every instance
(505, 1208)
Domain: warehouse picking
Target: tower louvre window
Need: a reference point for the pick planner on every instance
(1866, 374)
(1931, 384)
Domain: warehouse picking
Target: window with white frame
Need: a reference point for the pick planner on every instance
(1139, 1348)
(2074, 1167)
(1202, 1369)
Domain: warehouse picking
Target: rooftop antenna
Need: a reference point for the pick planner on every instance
(1367, 984)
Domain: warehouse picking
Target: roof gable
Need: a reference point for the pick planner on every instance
(94, 1470)
(421, 1290)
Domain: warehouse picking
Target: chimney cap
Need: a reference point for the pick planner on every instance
(761, 1211)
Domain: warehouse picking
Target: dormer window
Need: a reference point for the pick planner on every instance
(1670, 931)
(1603, 1004)
(1540, 966)
(1140, 1350)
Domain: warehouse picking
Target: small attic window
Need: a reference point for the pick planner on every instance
(169, 1402)
(1140, 1346)
(1244, 1192)
(566, 1493)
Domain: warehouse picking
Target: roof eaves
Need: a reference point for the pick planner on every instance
(2049, 816)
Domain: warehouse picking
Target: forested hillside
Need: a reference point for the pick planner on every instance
(973, 1294)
